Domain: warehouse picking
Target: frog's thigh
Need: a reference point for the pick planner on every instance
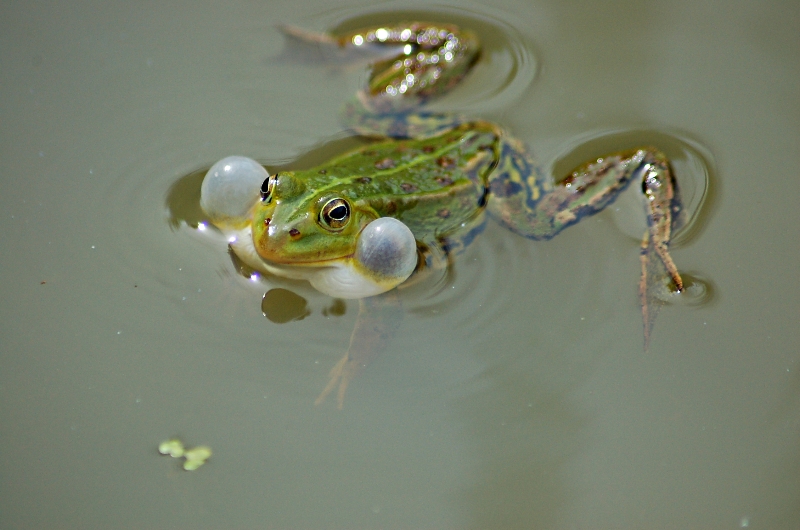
(526, 203)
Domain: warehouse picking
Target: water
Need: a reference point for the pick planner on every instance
(517, 392)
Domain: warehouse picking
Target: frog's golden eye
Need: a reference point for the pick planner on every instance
(335, 214)
(267, 187)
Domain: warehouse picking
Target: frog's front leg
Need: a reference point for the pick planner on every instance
(379, 318)
(532, 206)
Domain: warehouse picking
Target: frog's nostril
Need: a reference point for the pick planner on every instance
(294, 232)
(267, 221)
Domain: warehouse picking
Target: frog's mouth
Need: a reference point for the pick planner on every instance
(385, 257)
(241, 241)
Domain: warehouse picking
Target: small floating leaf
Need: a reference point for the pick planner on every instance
(191, 465)
(173, 448)
(196, 457)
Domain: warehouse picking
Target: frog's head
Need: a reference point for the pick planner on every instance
(336, 242)
(293, 225)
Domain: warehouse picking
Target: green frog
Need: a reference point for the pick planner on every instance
(361, 224)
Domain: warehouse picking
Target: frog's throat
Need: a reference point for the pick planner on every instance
(340, 278)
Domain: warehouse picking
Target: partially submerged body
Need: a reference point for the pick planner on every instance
(362, 223)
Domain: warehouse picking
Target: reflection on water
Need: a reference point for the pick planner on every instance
(514, 393)
(281, 306)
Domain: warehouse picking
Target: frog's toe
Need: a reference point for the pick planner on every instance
(231, 187)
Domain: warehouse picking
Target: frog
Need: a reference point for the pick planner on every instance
(420, 189)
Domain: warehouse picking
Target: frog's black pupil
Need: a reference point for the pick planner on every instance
(335, 214)
(339, 212)
(265, 189)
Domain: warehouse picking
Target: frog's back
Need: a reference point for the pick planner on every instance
(434, 185)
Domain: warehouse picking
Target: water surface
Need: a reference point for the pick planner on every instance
(517, 393)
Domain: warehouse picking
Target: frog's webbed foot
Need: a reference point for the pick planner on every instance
(378, 320)
(652, 286)
(341, 374)
(304, 46)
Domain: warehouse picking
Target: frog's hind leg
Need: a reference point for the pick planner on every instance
(530, 205)
(664, 214)
(378, 319)
(430, 60)
(431, 57)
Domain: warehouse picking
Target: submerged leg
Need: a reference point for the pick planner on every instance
(420, 59)
(659, 188)
(652, 286)
(529, 206)
(378, 320)
(664, 213)
(430, 57)
(410, 63)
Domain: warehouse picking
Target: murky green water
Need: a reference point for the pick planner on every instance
(516, 394)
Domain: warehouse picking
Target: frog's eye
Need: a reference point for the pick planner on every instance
(267, 187)
(335, 214)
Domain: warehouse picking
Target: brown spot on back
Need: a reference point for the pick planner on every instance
(391, 207)
(444, 181)
(364, 180)
(408, 187)
(428, 149)
(446, 162)
(444, 213)
(385, 163)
